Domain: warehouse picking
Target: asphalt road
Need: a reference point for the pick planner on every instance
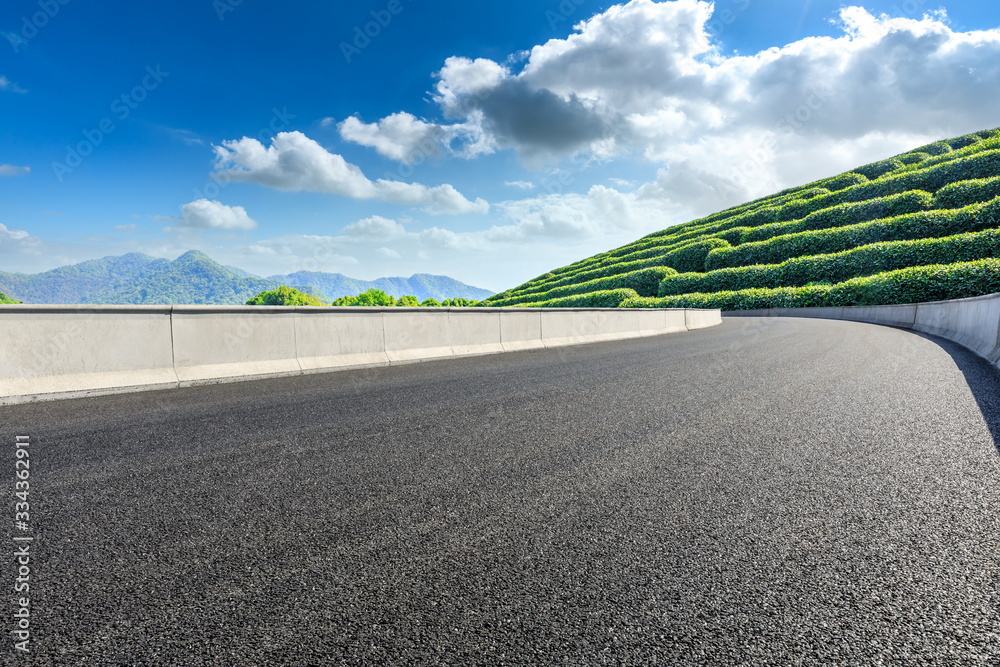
(763, 492)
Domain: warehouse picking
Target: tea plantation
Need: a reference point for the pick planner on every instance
(922, 226)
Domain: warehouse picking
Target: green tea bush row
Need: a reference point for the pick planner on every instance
(843, 215)
(645, 282)
(912, 285)
(841, 266)
(689, 257)
(603, 271)
(964, 193)
(959, 143)
(880, 168)
(913, 158)
(604, 299)
(937, 148)
(925, 224)
(846, 180)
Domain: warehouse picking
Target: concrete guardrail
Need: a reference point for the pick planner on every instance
(973, 323)
(49, 352)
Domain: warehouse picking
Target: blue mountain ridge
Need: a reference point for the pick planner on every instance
(195, 278)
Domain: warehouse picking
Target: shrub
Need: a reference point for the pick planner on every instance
(878, 169)
(371, 297)
(913, 158)
(924, 224)
(645, 282)
(936, 282)
(407, 301)
(844, 181)
(963, 193)
(284, 296)
(959, 143)
(838, 267)
(937, 148)
(459, 302)
(692, 257)
(604, 299)
(845, 214)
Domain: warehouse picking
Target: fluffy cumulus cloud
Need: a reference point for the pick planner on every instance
(375, 227)
(401, 136)
(648, 76)
(205, 214)
(295, 162)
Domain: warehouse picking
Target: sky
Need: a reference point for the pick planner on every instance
(490, 142)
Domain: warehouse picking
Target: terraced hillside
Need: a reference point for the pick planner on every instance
(921, 226)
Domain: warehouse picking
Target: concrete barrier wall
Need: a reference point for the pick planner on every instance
(210, 344)
(973, 323)
(45, 349)
(60, 351)
(701, 319)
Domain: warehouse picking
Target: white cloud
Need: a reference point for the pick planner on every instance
(7, 84)
(206, 214)
(304, 252)
(375, 227)
(389, 253)
(523, 185)
(13, 170)
(295, 162)
(648, 76)
(20, 251)
(401, 136)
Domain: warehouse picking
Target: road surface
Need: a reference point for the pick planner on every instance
(763, 492)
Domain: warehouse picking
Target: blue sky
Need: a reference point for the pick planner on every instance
(487, 141)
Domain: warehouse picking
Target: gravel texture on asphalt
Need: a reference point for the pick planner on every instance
(781, 491)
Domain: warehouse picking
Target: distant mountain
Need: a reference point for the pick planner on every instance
(73, 284)
(195, 278)
(421, 285)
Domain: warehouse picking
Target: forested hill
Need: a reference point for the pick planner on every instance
(195, 278)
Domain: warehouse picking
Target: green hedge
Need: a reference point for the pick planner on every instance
(880, 168)
(959, 143)
(843, 215)
(605, 271)
(925, 224)
(937, 148)
(913, 158)
(604, 299)
(964, 193)
(645, 282)
(692, 257)
(686, 258)
(937, 282)
(841, 266)
(847, 180)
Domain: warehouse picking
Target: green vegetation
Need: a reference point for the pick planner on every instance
(284, 296)
(195, 278)
(921, 226)
(6, 299)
